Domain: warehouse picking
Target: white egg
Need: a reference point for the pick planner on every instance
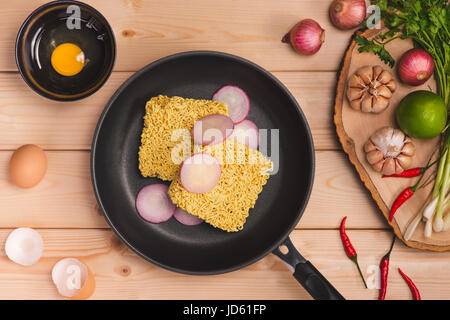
(24, 246)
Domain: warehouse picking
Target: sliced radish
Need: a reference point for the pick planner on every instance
(247, 133)
(24, 246)
(200, 173)
(212, 129)
(236, 100)
(186, 218)
(73, 279)
(153, 203)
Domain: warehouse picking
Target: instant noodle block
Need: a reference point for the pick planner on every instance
(244, 173)
(166, 136)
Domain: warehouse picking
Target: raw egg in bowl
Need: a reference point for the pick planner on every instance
(65, 50)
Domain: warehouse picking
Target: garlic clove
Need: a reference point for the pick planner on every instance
(366, 74)
(369, 146)
(379, 104)
(392, 85)
(377, 70)
(366, 103)
(408, 149)
(385, 77)
(356, 104)
(388, 166)
(404, 161)
(378, 166)
(384, 92)
(374, 156)
(354, 93)
(356, 82)
(398, 168)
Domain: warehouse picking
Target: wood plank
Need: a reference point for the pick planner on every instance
(146, 30)
(25, 117)
(338, 192)
(64, 199)
(121, 274)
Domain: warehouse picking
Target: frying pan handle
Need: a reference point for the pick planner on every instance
(315, 283)
(306, 274)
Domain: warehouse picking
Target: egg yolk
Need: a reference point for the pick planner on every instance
(68, 59)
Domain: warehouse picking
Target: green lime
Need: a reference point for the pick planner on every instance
(422, 114)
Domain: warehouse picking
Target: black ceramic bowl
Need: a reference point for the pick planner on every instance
(60, 22)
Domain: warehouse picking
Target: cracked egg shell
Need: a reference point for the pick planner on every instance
(24, 246)
(73, 279)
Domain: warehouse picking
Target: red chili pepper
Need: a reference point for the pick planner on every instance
(415, 292)
(402, 197)
(384, 269)
(349, 249)
(410, 173)
(405, 195)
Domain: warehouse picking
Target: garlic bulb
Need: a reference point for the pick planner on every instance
(389, 151)
(370, 89)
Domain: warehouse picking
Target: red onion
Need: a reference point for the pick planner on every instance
(200, 173)
(236, 100)
(415, 67)
(186, 218)
(154, 204)
(212, 129)
(306, 37)
(247, 133)
(347, 14)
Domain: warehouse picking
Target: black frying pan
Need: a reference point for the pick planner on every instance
(203, 249)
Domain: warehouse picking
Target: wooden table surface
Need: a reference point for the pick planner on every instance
(63, 208)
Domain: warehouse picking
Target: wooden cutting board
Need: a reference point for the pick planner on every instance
(354, 129)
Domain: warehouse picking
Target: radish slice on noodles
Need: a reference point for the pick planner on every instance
(24, 246)
(73, 279)
(247, 133)
(200, 173)
(236, 100)
(153, 203)
(212, 129)
(186, 218)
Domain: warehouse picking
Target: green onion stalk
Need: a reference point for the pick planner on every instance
(442, 183)
(440, 51)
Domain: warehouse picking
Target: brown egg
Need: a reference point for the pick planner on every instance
(27, 166)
